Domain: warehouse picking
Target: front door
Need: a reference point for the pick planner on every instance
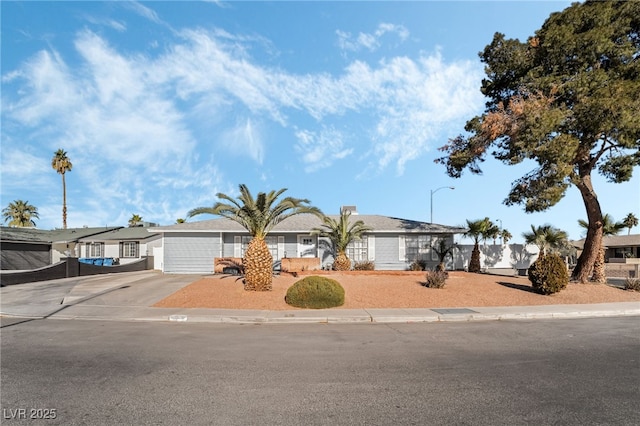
(306, 246)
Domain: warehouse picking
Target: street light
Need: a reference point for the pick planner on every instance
(433, 191)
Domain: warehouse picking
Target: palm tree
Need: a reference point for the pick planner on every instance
(135, 220)
(340, 232)
(61, 164)
(630, 221)
(442, 250)
(258, 216)
(180, 220)
(20, 214)
(480, 229)
(547, 238)
(609, 227)
(505, 235)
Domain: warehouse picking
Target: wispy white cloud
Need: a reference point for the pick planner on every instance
(369, 41)
(130, 120)
(111, 23)
(320, 150)
(244, 139)
(143, 11)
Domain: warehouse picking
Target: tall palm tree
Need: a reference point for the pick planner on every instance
(20, 214)
(61, 164)
(630, 221)
(341, 233)
(258, 216)
(547, 238)
(505, 235)
(609, 227)
(479, 230)
(135, 220)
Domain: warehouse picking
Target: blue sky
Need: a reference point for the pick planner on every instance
(161, 105)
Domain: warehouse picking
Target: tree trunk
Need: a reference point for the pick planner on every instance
(258, 266)
(599, 274)
(342, 262)
(593, 243)
(64, 203)
(474, 263)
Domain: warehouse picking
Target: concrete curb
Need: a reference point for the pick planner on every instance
(337, 316)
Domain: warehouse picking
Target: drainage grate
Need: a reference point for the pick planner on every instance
(455, 311)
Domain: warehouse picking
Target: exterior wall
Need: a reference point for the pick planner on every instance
(387, 255)
(190, 252)
(60, 251)
(112, 249)
(497, 257)
(297, 264)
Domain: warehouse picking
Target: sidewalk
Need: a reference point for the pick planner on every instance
(128, 297)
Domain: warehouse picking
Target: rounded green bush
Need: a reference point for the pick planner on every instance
(315, 292)
(548, 274)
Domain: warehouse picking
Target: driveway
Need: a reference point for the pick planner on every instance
(42, 299)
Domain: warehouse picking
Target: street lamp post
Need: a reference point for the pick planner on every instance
(501, 237)
(433, 191)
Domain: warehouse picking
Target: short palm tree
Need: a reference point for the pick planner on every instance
(609, 227)
(61, 164)
(258, 216)
(480, 229)
(341, 233)
(20, 214)
(135, 220)
(629, 222)
(547, 238)
(443, 250)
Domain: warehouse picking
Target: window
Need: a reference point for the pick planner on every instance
(417, 247)
(272, 243)
(129, 249)
(357, 250)
(95, 249)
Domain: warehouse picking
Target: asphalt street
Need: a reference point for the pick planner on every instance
(542, 372)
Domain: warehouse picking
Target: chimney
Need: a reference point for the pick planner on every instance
(351, 209)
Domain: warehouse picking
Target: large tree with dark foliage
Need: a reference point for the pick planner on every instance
(569, 100)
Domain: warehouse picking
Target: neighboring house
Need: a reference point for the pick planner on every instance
(30, 248)
(617, 246)
(393, 244)
(24, 248)
(126, 244)
(622, 255)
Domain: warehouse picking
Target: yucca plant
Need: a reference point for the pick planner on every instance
(258, 216)
(341, 232)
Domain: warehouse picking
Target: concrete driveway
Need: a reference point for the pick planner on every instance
(45, 298)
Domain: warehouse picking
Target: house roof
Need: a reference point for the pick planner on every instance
(49, 236)
(25, 235)
(120, 234)
(303, 223)
(614, 241)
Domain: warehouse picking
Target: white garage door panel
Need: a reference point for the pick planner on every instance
(190, 253)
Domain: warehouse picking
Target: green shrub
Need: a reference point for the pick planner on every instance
(548, 274)
(435, 279)
(632, 284)
(365, 265)
(315, 292)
